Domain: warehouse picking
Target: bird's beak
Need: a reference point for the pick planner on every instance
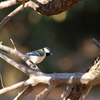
(51, 53)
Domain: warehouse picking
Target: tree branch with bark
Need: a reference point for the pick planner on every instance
(44, 7)
(79, 84)
(83, 81)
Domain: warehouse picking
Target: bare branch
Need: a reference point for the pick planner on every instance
(7, 3)
(79, 89)
(13, 43)
(86, 92)
(24, 93)
(51, 87)
(14, 63)
(15, 86)
(41, 94)
(1, 81)
(16, 52)
(61, 77)
(9, 16)
(76, 92)
(82, 80)
(96, 42)
(44, 7)
(67, 92)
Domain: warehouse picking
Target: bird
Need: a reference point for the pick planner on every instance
(38, 56)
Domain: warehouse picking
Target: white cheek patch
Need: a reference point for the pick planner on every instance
(46, 50)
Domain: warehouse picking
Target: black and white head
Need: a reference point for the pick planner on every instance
(48, 51)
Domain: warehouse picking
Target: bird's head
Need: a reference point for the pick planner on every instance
(48, 51)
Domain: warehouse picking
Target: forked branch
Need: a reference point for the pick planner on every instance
(24, 93)
(84, 89)
(17, 53)
(41, 94)
(15, 86)
(13, 13)
(44, 7)
(51, 87)
(83, 80)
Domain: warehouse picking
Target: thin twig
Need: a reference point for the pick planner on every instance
(24, 93)
(75, 93)
(41, 94)
(16, 52)
(15, 63)
(13, 43)
(9, 16)
(15, 86)
(67, 91)
(51, 87)
(96, 42)
(1, 81)
(7, 3)
(86, 92)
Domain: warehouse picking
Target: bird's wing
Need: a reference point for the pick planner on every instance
(35, 53)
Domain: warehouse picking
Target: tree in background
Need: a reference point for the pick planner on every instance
(66, 34)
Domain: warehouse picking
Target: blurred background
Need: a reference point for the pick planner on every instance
(69, 36)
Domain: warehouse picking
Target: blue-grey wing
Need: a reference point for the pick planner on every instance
(35, 53)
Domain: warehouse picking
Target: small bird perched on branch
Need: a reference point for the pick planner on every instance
(38, 56)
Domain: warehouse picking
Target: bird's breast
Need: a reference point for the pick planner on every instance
(36, 59)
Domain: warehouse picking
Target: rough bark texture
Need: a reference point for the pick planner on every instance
(52, 7)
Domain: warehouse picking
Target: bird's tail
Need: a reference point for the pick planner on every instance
(21, 55)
